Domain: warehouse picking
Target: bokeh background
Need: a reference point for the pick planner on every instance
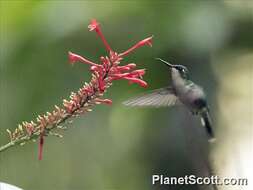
(116, 147)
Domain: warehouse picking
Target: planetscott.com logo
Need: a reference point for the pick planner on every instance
(192, 180)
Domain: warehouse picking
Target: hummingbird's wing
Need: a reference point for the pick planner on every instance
(162, 97)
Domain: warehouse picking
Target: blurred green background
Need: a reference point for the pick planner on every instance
(115, 147)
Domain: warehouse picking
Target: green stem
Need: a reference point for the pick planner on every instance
(35, 135)
(18, 141)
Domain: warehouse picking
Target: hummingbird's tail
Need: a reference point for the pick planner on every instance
(206, 122)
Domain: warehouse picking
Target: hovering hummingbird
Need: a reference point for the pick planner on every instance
(182, 91)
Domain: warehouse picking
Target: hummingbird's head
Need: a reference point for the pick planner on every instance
(180, 68)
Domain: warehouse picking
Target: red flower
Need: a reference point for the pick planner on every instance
(104, 101)
(77, 58)
(103, 75)
(94, 25)
(138, 81)
(147, 41)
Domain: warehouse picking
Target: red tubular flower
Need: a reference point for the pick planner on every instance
(138, 81)
(126, 67)
(104, 101)
(94, 25)
(123, 68)
(77, 58)
(130, 65)
(147, 41)
(119, 75)
(139, 72)
(134, 74)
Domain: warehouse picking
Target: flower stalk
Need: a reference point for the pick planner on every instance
(80, 102)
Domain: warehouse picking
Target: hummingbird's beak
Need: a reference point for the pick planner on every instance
(167, 63)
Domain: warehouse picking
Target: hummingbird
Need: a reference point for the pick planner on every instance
(181, 92)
